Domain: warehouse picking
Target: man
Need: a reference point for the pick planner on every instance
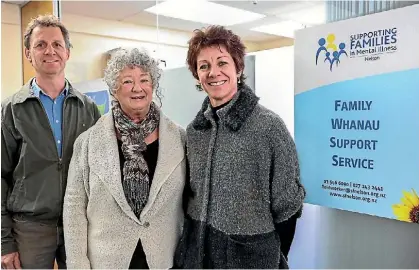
(39, 126)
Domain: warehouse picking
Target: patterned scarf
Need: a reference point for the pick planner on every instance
(135, 181)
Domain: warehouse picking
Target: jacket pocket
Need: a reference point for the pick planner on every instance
(17, 191)
(251, 252)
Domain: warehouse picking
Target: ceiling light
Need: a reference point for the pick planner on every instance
(204, 12)
(315, 15)
(284, 28)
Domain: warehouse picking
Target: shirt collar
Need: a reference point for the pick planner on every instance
(37, 90)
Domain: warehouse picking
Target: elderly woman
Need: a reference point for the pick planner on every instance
(123, 203)
(245, 188)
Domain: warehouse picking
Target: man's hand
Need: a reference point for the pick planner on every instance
(11, 261)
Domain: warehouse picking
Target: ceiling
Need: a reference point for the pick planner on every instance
(133, 12)
(20, 3)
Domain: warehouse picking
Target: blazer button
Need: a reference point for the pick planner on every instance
(146, 225)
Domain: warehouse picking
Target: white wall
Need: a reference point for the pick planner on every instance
(274, 82)
(92, 38)
(123, 30)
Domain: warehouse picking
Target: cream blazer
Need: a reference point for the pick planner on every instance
(100, 229)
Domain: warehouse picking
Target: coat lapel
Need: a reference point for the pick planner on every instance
(171, 153)
(233, 114)
(105, 147)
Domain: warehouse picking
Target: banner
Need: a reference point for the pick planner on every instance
(96, 90)
(357, 113)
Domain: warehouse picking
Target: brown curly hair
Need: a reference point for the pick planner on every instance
(47, 20)
(215, 35)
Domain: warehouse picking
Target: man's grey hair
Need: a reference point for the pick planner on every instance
(45, 21)
(132, 57)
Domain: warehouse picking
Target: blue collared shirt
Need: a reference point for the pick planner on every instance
(54, 110)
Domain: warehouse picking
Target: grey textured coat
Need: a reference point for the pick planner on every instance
(101, 230)
(244, 180)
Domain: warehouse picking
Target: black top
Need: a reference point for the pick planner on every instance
(138, 260)
(215, 109)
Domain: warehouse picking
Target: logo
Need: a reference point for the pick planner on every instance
(328, 53)
(371, 45)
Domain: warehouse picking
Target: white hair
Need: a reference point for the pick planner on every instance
(132, 57)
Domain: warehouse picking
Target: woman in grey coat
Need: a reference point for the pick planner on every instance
(123, 203)
(244, 192)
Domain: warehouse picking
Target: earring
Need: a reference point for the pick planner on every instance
(198, 86)
(238, 80)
